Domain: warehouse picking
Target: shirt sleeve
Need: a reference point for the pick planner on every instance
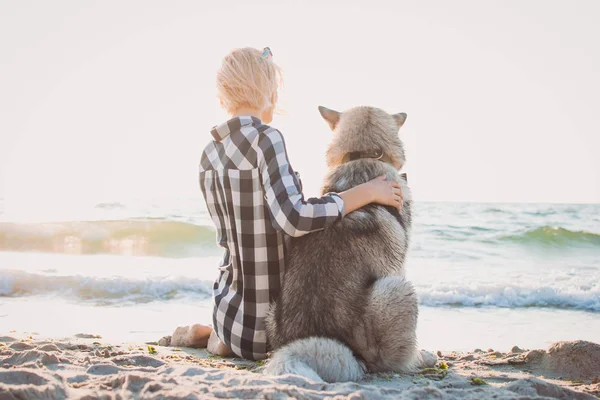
(290, 211)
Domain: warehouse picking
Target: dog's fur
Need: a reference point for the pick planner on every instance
(345, 307)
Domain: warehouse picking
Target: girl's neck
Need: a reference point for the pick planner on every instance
(247, 112)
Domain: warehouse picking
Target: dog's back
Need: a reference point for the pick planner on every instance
(329, 273)
(331, 276)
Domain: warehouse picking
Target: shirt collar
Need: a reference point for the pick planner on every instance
(220, 132)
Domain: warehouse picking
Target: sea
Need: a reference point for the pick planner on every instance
(487, 275)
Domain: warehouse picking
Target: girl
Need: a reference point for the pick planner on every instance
(255, 200)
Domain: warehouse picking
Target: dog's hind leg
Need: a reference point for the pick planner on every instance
(386, 339)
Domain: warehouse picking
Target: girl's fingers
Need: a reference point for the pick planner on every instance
(398, 197)
(398, 202)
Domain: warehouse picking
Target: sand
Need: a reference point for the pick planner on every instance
(86, 367)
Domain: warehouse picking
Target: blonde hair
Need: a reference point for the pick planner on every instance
(247, 80)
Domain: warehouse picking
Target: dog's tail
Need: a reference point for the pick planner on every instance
(317, 358)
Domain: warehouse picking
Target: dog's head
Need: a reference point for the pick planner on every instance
(364, 132)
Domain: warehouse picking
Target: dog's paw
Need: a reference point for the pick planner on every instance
(428, 359)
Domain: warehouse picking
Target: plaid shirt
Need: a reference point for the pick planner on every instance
(255, 199)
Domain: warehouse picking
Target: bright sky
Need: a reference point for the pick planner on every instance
(112, 99)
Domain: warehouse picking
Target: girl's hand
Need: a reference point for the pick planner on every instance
(387, 193)
(378, 190)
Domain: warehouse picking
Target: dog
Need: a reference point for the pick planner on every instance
(345, 307)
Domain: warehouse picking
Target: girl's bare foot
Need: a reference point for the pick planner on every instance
(217, 347)
(191, 336)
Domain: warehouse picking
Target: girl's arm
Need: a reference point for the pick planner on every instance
(291, 212)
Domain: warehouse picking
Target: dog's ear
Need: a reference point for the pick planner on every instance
(400, 118)
(332, 117)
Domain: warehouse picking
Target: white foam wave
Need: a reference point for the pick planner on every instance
(582, 297)
(103, 290)
(109, 290)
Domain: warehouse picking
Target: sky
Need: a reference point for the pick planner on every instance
(115, 99)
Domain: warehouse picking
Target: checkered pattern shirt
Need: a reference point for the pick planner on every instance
(255, 199)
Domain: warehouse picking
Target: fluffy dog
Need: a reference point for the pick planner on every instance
(345, 307)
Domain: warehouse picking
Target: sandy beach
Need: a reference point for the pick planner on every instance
(87, 367)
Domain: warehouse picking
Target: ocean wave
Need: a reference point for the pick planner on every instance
(494, 210)
(118, 290)
(540, 213)
(513, 296)
(102, 290)
(153, 237)
(556, 237)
